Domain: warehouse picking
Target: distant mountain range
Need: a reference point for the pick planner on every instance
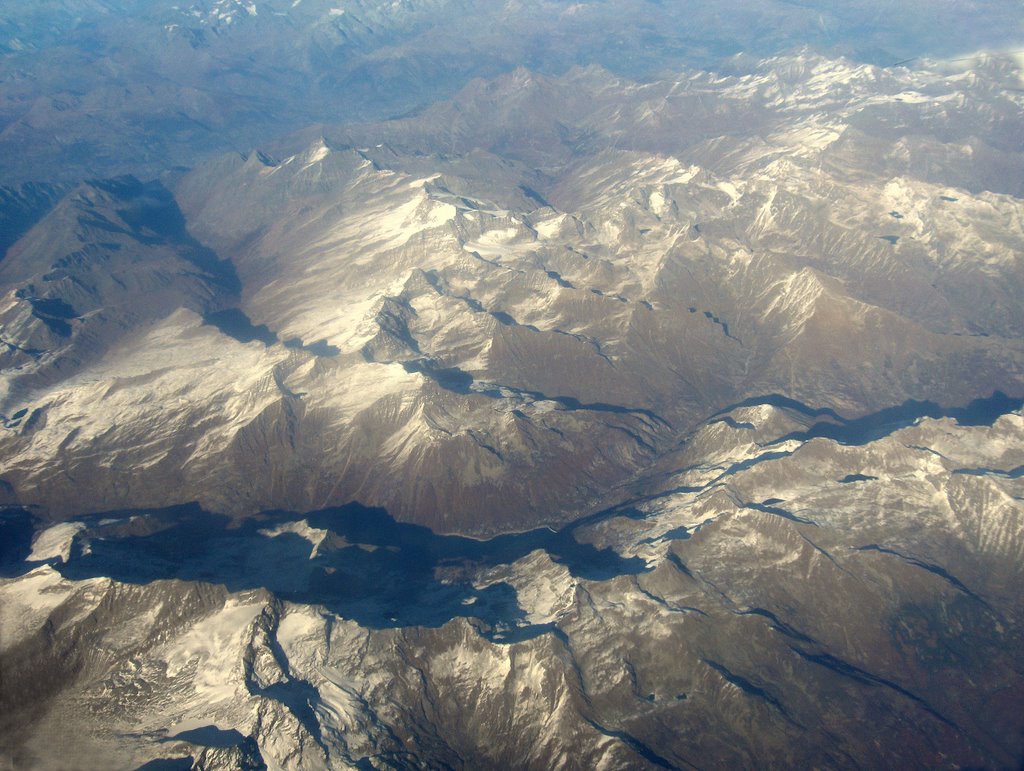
(97, 88)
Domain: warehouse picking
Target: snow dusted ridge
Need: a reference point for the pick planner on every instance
(513, 315)
(705, 365)
(709, 598)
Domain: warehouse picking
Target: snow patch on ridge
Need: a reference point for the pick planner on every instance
(55, 542)
(302, 529)
(25, 604)
(210, 650)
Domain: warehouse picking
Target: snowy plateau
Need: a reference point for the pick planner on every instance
(571, 422)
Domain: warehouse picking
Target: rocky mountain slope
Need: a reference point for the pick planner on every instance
(492, 338)
(576, 421)
(774, 597)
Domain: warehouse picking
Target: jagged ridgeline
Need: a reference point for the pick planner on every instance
(610, 412)
(500, 336)
(759, 580)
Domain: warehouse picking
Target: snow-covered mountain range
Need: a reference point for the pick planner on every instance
(775, 595)
(97, 88)
(574, 421)
(494, 337)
